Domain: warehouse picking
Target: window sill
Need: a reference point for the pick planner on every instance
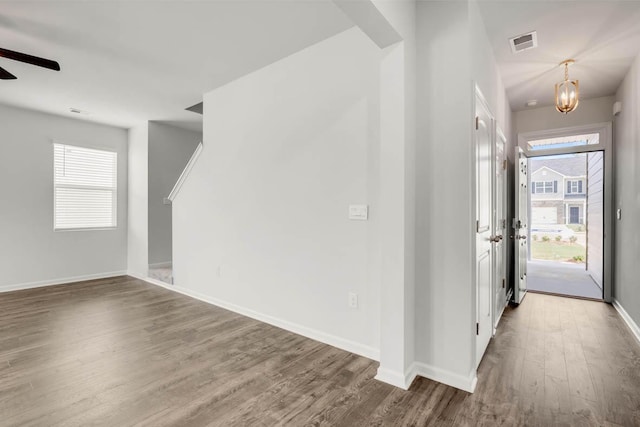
(85, 229)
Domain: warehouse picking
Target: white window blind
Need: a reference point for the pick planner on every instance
(85, 187)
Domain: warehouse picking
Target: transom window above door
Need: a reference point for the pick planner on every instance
(563, 142)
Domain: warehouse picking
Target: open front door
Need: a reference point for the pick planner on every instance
(521, 227)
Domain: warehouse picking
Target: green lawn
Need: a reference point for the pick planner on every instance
(557, 251)
(577, 227)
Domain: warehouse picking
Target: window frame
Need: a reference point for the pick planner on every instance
(575, 186)
(114, 191)
(541, 187)
(606, 146)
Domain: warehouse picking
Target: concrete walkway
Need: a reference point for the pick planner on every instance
(561, 278)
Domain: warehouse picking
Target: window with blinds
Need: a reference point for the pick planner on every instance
(85, 187)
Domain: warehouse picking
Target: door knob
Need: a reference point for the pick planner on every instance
(495, 239)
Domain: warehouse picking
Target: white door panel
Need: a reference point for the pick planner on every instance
(521, 226)
(484, 137)
(499, 227)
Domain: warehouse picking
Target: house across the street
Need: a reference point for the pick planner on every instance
(558, 190)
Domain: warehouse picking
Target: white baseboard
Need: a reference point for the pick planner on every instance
(166, 264)
(60, 281)
(417, 369)
(395, 378)
(465, 383)
(314, 334)
(495, 327)
(627, 319)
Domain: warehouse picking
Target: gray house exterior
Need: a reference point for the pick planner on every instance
(558, 190)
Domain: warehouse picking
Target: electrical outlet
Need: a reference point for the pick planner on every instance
(359, 212)
(353, 300)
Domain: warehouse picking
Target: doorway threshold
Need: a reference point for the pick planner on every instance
(562, 278)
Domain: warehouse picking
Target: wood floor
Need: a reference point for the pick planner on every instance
(120, 352)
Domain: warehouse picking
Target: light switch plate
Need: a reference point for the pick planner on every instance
(619, 214)
(359, 212)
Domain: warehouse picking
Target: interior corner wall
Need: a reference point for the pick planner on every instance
(485, 72)
(32, 253)
(138, 235)
(453, 52)
(444, 153)
(590, 111)
(627, 190)
(398, 194)
(488, 79)
(261, 224)
(170, 148)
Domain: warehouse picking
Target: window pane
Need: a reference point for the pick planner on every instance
(83, 208)
(85, 191)
(564, 142)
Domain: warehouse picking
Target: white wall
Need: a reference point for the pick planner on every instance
(138, 235)
(398, 194)
(627, 194)
(31, 252)
(486, 74)
(443, 188)
(170, 148)
(261, 224)
(487, 77)
(453, 52)
(590, 111)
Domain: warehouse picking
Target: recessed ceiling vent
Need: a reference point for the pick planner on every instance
(524, 42)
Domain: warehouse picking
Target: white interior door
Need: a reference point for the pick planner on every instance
(484, 252)
(521, 226)
(499, 227)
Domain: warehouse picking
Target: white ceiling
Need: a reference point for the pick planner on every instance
(128, 61)
(602, 36)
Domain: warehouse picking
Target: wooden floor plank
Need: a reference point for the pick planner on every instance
(122, 352)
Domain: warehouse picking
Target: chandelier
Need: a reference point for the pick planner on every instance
(567, 92)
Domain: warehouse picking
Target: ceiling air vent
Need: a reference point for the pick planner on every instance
(524, 42)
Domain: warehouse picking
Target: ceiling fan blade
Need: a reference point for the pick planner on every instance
(29, 59)
(5, 75)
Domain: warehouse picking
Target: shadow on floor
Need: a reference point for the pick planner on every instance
(561, 278)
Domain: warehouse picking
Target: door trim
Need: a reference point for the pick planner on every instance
(605, 144)
(478, 99)
(498, 309)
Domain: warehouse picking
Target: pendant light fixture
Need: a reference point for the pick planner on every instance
(568, 91)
